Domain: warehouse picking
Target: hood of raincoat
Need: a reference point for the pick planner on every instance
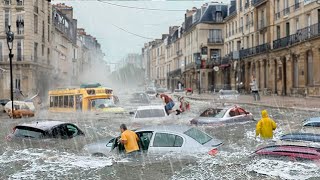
(264, 114)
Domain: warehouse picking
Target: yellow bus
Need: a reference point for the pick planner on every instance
(82, 99)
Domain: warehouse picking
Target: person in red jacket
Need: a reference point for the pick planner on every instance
(168, 101)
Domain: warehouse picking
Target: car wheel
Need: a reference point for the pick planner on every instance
(98, 155)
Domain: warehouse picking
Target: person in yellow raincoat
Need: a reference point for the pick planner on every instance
(265, 126)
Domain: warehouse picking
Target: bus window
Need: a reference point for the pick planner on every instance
(51, 101)
(65, 101)
(55, 101)
(71, 101)
(60, 101)
(102, 103)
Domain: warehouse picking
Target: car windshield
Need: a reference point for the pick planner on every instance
(216, 113)
(28, 132)
(198, 135)
(102, 103)
(150, 113)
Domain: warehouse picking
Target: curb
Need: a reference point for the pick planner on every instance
(257, 104)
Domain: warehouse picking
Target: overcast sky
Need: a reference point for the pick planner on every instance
(99, 19)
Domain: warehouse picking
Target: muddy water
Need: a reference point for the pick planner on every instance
(65, 160)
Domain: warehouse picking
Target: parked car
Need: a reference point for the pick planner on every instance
(154, 113)
(3, 102)
(140, 98)
(160, 140)
(45, 130)
(293, 151)
(217, 116)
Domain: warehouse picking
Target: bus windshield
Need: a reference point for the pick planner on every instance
(102, 103)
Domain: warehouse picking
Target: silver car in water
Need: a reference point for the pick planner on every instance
(218, 116)
(161, 140)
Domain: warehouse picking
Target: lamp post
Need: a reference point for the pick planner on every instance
(10, 37)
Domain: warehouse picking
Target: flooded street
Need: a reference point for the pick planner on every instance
(65, 159)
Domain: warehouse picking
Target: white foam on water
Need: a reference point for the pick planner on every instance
(52, 163)
(285, 169)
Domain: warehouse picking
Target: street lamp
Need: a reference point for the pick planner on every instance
(10, 37)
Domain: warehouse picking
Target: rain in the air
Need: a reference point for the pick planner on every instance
(159, 89)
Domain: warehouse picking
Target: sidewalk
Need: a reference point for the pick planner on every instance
(298, 103)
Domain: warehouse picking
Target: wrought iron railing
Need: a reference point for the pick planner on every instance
(215, 40)
(254, 50)
(301, 35)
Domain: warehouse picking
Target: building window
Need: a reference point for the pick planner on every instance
(48, 33)
(43, 30)
(1, 55)
(287, 29)
(309, 68)
(20, 24)
(35, 52)
(252, 40)
(219, 17)
(18, 84)
(215, 35)
(297, 25)
(278, 32)
(6, 19)
(247, 21)
(35, 17)
(42, 50)
(251, 19)
(19, 50)
(7, 2)
(48, 56)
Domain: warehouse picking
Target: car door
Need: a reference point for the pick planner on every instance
(145, 138)
(164, 142)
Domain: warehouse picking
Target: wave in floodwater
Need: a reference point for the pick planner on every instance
(39, 163)
(285, 169)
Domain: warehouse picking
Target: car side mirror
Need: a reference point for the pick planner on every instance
(131, 113)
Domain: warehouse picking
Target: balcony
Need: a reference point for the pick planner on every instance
(190, 66)
(262, 24)
(301, 35)
(174, 73)
(215, 41)
(286, 11)
(254, 50)
(179, 52)
(257, 3)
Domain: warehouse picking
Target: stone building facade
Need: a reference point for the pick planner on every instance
(277, 42)
(46, 48)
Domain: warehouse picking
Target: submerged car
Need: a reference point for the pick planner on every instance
(161, 140)
(217, 116)
(140, 98)
(311, 125)
(293, 151)
(154, 113)
(45, 130)
(21, 109)
(151, 93)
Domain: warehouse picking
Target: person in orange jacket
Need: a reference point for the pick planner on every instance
(265, 126)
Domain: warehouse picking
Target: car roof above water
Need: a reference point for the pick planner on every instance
(150, 107)
(166, 128)
(43, 125)
(312, 119)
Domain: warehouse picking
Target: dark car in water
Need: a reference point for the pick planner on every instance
(45, 130)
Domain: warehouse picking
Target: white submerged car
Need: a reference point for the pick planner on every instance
(154, 113)
(180, 139)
